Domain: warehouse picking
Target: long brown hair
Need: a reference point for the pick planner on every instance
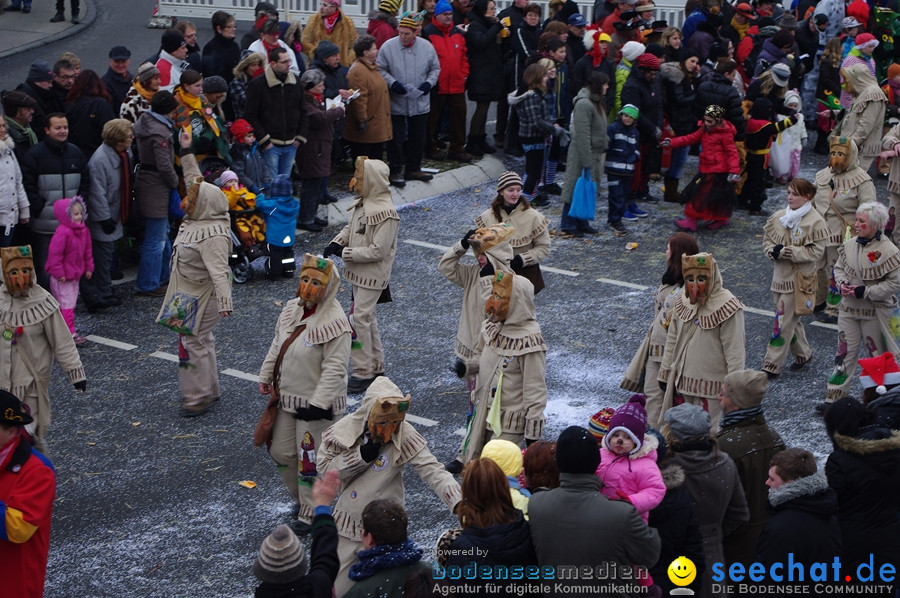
(498, 202)
(539, 465)
(89, 84)
(485, 496)
(679, 244)
(833, 52)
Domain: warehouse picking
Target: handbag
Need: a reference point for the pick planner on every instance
(584, 197)
(262, 434)
(181, 311)
(804, 291)
(175, 210)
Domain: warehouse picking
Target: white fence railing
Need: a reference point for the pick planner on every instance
(202, 10)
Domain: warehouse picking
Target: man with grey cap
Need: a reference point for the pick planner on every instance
(19, 108)
(118, 78)
(39, 85)
(751, 443)
(281, 564)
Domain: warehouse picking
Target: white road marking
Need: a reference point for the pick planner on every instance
(241, 375)
(460, 432)
(422, 421)
(165, 356)
(102, 340)
(620, 283)
(445, 248)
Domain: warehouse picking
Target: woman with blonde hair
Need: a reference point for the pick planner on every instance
(671, 42)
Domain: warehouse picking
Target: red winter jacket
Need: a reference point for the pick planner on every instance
(718, 153)
(381, 30)
(27, 490)
(450, 46)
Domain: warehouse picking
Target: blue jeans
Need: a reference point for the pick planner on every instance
(156, 252)
(676, 164)
(280, 159)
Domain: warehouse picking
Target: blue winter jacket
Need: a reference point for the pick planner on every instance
(281, 218)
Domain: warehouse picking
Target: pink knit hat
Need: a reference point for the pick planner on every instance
(630, 418)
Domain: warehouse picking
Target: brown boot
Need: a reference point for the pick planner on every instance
(671, 193)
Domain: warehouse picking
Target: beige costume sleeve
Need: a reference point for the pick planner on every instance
(435, 475)
(534, 393)
(885, 289)
(840, 267)
(343, 237)
(891, 139)
(452, 270)
(731, 335)
(346, 461)
(872, 116)
(215, 252)
(771, 238)
(63, 347)
(382, 240)
(866, 192)
(540, 248)
(668, 353)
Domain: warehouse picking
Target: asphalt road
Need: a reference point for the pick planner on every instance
(149, 503)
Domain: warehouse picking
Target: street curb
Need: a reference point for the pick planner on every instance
(486, 169)
(89, 15)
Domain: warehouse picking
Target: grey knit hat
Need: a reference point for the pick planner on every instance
(214, 84)
(281, 558)
(688, 421)
(746, 388)
(147, 71)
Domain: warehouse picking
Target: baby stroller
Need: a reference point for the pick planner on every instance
(243, 256)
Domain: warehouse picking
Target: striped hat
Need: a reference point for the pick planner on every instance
(507, 179)
(281, 557)
(409, 23)
(389, 6)
(599, 424)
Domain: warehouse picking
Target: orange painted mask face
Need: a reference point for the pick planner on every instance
(839, 156)
(697, 286)
(315, 274)
(497, 306)
(698, 272)
(386, 417)
(18, 270)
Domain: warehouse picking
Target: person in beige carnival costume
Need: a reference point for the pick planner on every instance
(511, 389)
(868, 274)
(32, 334)
(367, 245)
(891, 146)
(863, 122)
(705, 340)
(200, 277)
(644, 367)
(841, 187)
(793, 238)
(370, 449)
(312, 336)
(531, 243)
(493, 254)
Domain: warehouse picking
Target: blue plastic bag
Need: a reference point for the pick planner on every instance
(584, 198)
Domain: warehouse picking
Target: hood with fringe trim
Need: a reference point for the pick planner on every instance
(720, 305)
(328, 321)
(520, 333)
(374, 193)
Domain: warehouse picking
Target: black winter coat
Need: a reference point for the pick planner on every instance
(53, 171)
(679, 531)
(86, 116)
(679, 98)
(865, 472)
(720, 91)
(508, 544)
(582, 71)
(276, 110)
(647, 97)
(47, 103)
(485, 57)
(804, 522)
(117, 87)
(335, 79)
(220, 56)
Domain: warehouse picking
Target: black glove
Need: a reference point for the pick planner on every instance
(313, 413)
(398, 88)
(517, 263)
(363, 126)
(425, 87)
(82, 386)
(108, 226)
(465, 239)
(860, 291)
(369, 451)
(459, 367)
(332, 249)
(776, 251)
(663, 385)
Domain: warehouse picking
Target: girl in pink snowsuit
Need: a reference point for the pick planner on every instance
(70, 258)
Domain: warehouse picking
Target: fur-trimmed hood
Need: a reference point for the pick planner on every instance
(817, 483)
(672, 475)
(878, 447)
(243, 64)
(672, 72)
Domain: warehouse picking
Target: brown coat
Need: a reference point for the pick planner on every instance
(343, 35)
(157, 176)
(373, 106)
(314, 156)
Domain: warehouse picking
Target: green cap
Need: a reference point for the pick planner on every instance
(630, 110)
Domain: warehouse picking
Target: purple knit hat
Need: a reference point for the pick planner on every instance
(631, 418)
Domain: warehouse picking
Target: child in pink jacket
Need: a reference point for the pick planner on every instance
(70, 258)
(628, 459)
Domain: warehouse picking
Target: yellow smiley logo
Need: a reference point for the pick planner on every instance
(682, 571)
